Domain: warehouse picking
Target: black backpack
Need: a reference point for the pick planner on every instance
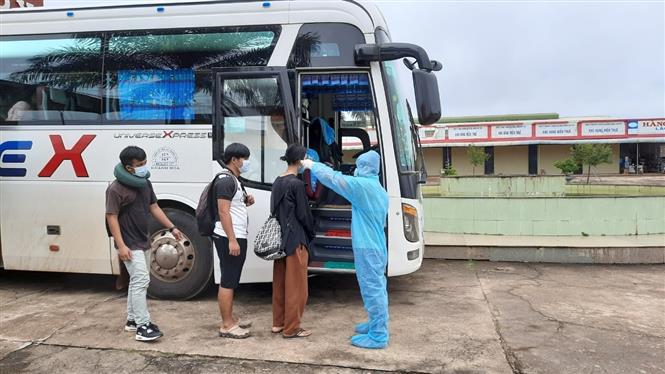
(205, 211)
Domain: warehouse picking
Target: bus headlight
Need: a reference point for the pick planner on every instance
(410, 217)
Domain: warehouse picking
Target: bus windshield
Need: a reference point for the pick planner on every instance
(399, 114)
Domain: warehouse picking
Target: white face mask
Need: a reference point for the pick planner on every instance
(141, 171)
(245, 167)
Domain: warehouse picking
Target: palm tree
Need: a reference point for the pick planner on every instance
(69, 67)
(305, 45)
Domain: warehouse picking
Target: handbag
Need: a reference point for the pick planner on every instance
(268, 241)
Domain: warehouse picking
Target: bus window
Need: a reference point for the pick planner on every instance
(325, 44)
(253, 113)
(166, 76)
(53, 78)
(404, 142)
(340, 103)
(358, 134)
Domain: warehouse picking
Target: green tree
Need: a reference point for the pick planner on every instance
(591, 155)
(477, 156)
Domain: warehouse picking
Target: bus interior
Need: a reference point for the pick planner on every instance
(338, 121)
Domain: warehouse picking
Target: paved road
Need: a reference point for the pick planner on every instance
(450, 317)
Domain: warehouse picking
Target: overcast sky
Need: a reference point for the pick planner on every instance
(575, 58)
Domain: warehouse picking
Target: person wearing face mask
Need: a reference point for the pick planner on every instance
(289, 204)
(230, 236)
(130, 200)
(369, 211)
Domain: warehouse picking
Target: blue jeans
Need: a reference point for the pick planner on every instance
(137, 293)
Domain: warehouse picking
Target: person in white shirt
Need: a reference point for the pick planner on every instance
(230, 236)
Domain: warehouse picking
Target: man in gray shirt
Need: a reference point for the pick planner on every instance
(130, 200)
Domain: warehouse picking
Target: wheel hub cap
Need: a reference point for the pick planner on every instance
(167, 256)
(170, 259)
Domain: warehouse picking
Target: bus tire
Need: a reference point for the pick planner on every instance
(179, 270)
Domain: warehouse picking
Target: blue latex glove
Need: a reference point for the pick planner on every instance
(369, 209)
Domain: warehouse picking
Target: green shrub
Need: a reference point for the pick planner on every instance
(448, 171)
(567, 166)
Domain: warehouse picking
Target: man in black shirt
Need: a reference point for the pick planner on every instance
(129, 201)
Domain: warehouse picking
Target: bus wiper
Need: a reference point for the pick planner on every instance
(419, 146)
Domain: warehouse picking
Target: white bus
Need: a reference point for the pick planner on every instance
(182, 80)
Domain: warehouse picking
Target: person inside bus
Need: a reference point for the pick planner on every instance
(369, 210)
(322, 139)
(18, 110)
(289, 203)
(130, 199)
(230, 236)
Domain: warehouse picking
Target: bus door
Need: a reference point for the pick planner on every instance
(254, 106)
(338, 118)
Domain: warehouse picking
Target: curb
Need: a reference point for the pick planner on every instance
(563, 255)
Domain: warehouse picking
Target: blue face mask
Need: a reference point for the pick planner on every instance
(141, 171)
(245, 167)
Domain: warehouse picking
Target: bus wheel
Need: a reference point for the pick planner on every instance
(182, 269)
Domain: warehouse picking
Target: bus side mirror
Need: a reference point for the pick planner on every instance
(428, 103)
(424, 80)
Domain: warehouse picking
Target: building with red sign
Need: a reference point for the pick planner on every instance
(521, 147)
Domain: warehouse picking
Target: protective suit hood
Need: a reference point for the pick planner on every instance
(368, 164)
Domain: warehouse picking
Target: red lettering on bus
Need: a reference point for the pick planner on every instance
(4, 4)
(61, 154)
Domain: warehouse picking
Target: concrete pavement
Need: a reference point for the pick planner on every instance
(450, 316)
